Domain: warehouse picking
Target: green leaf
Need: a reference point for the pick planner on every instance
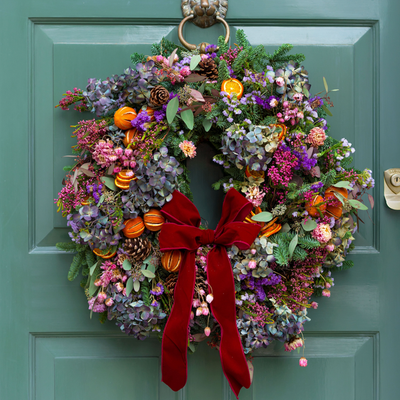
(188, 118)
(171, 58)
(126, 265)
(325, 84)
(136, 285)
(109, 182)
(68, 167)
(357, 204)
(151, 268)
(262, 217)
(293, 244)
(202, 87)
(309, 225)
(129, 286)
(306, 92)
(207, 124)
(285, 228)
(194, 62)
(92, 268)
(148, 274)
(92, 287)
(325, 108)
(343, 184)
(172, 109)
(339, 196)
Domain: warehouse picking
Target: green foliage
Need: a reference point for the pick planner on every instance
(184, 183)
(281, 56)
(328, 179)
(223, 72)
(66, 246)
(347, 264)
(145, 288)
(165, 48)
(223, 47)
(103, 317)
(137, 58)
(76, 265)
(241, 39)
(282, 253)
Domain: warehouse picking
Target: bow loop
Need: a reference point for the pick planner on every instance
(207, 237)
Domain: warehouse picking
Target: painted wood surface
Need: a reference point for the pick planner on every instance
(49, 348)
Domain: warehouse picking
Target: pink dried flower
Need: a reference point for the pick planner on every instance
(252, 264)
(207, 331)
(209, 298)
(314, 305)
(293, 344)
(188, 148)
(119, 286)
(330, 247)
(109, 302)
(326, 293)
(199, 311)
(253, 251)
(205, 311)
(191, 315)
(255, 195)
(196, 303)
(328, 285)
(322, 233)
(316, 137)
(303, 362)
(280, 81)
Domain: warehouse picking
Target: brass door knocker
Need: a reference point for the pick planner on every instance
(203, 13)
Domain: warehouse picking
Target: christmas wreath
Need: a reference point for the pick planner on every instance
(287, 221)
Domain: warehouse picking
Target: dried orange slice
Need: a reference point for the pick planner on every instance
(231, 86)
(255, 174)
(271, 230)
(124, 185)
(130, 136)
(107, 255)
(126, 174)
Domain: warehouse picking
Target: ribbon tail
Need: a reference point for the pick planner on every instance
(233, 360)
(176, 334)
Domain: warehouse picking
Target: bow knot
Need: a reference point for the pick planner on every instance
(207, 237)
(182, 232)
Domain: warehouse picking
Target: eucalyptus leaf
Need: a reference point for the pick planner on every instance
(325, 84)
(285, 228)
(194, 62)
(262, 217)
(306, 92)
(339, 196)
(109, 182)
(325, 108)
(293, 244)
(126, 265)
(92, 286)
(207, 124)
(172, 109)
(202, 87)
(151, 268)
(343, 184)
(357, 204)
(129, 286)
(136, 285)
(309, 225)
(148, 274)
(371, 201)
(93, 267)
(195, 78)
(188, 118)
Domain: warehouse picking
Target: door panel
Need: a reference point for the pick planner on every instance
(49, 348)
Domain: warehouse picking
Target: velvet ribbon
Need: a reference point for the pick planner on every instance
(182, 232)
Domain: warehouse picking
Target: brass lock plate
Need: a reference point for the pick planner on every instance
(392, 188)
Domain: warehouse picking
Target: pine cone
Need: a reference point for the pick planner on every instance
(208, 68)
(170, 283)
(201, 278)
(159, 95)
(137, 248)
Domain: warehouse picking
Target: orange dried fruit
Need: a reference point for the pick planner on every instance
(311, 206)
(275, 228)
(130, 136)
(124, 185)
(335, 208)
(255, 174)
(126, 174)
(171, 260)
(283, 132)
(107, 255)
(133, 227)
(153, 220)
(123, 117)
(231, 86)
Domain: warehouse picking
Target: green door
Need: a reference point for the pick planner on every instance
(49, 348)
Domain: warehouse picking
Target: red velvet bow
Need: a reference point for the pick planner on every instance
(182, 232)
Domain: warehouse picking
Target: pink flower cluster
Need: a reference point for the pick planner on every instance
(255, 196)
(282, 171)
(105, 154)
(259, 313)
(88, 132)
(322, 233)
(316, 137)
(290, 113)
(110, 274)
(71, 98)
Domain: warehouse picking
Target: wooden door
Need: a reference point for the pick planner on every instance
(49, 348)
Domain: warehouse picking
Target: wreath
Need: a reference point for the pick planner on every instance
(287, 221)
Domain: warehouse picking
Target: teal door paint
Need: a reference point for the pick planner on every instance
(49, 348)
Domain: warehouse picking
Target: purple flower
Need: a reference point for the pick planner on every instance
(158, 290)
